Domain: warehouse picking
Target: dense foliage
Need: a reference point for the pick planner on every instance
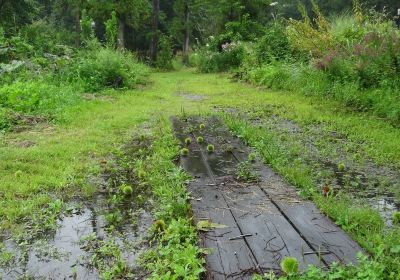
(353, 57)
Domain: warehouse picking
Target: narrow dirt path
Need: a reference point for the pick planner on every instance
(265, 219)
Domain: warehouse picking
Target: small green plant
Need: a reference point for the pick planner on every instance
(396, 218)
(252, 157)
(188, 141)
(200, 140)
(341, 167)
(202, 126)
(18, 174)
(126, 190)
(113, 218)
(210, 148)
(141, 174)
(290, 265)
(244, 172)
(159, 226)
(184, 152)
(228, 148)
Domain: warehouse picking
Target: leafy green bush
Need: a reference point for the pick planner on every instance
(165, 53)
(274, 45)
(229, 57)
(243, 30)
(108, 68)
(5, 119)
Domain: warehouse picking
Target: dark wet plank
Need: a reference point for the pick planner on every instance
(267, 219)
(332, 243)
(229, 259)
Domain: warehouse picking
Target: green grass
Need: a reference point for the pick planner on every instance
(62, 155)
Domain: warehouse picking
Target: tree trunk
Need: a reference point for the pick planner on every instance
(121, 33)
(78, 27)
(187, 35)
(2, 2)
(154, 27)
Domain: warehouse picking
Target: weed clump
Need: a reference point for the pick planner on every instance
(188, 141)
(341, 167)
(200, 140)
(252, 157)
(396, 218)
(141, 174)
(126, 190)
(228, 148)
(290, 265)
(244, 172)
(210, 148)
(184, 152)
(18, 174)
(159, 226)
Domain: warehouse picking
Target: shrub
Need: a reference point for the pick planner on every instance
(165, 53)
(5, 119)
(274, 45)
(230, 57)
(109, 68)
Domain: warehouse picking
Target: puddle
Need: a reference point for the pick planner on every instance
(191, 96)
(65, 255)
(386, 207)
(103, 235)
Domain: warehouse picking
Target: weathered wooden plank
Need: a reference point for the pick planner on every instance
(230, 258)
(315, 227)
(273, 237)
(322, 233)
(268, 220)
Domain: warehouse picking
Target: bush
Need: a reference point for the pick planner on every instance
(230, 57)
(165, 53)
(108, 68)
(274, 45)
(5, 119)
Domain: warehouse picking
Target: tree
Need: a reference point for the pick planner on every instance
(154, 29)
(182, 26)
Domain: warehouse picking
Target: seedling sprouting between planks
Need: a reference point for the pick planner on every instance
(290, 265)
(184, 152)
(126, 190)
(341, 167)
(210, 148)
(188, 141)
(252, 157)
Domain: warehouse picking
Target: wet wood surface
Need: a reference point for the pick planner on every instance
(265, 220)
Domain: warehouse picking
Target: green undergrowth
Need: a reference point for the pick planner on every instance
(175, 254)
(52, 161)
(361, 222)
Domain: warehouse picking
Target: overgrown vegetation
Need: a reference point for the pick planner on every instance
(352, 57)
(43, 84)
(72, 75)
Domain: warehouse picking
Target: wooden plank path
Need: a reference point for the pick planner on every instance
(266, 220)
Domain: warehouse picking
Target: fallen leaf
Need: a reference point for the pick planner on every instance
(207, 225)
